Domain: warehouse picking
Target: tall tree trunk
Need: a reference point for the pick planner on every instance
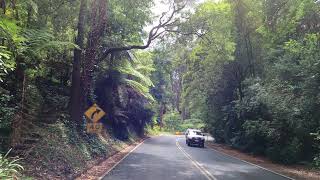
(98, 19)
(29, 15)
(18, 122)
(14, 7)
(179, 89)
(3, 6)
(162, 111)
(76, 106)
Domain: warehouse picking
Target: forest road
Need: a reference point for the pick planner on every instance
(168, 157)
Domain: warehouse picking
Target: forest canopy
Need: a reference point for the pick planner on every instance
(250, 71)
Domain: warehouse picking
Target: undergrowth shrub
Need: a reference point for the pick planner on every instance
(9, 168)
(171, 121)
(174, 123)
(316, 159)
(155, 130)
(287, 153)
(256, 135)
(7, 111)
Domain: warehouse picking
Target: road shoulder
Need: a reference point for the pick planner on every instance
(103, 168)
(295, 172)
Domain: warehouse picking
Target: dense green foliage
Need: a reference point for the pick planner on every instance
(36, 58)
(42, 65)
(251, 72)
(247, 71)
(173, 123)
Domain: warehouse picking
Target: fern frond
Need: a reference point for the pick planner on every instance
(38, 40)
(129, 70)
(9, 29)
(59, 44)
(139, 88)
(33, 6)
(141, 67)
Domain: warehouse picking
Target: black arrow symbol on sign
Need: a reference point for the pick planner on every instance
(94, 113)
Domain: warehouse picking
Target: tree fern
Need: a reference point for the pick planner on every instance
(144, 68)
(36, 41)
(129, 70)
(139, 88)
(26, 41)
(6, 62)
(138, 81)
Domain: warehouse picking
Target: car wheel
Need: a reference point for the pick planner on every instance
(202, 145)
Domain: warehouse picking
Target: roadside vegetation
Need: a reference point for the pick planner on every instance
(57, 58)
(9, 167)
(173, 123)
(247, 71)
(250, 71)
(258, 66)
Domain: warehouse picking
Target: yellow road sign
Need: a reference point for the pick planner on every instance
(94, 113)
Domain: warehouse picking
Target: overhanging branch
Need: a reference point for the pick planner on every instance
(154, 33)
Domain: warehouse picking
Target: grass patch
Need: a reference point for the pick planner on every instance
(9, 167)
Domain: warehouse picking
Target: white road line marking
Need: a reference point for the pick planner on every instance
(252, 164)
(106, 173)
(203, 170)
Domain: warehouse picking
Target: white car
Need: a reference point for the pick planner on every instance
(194, 137)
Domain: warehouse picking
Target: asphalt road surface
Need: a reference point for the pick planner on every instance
(168, 157)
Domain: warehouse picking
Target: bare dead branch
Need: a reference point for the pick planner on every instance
(154, 33)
